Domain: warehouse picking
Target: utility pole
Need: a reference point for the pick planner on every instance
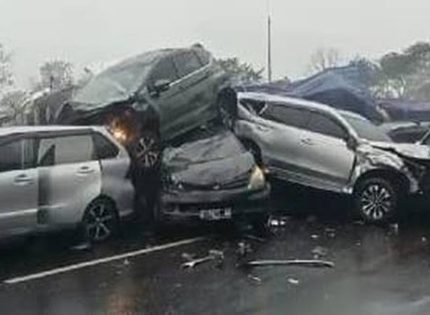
(269, 44)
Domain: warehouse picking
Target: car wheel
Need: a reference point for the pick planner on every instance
(376, 200)
(146, 150)
(100, 221)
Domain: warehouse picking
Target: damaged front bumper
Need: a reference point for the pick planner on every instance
(215, 204)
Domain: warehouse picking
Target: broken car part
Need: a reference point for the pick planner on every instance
(213, 255)
(297, 262)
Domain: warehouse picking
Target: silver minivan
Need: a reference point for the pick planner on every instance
(56, 177)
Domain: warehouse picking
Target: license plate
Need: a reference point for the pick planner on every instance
(215, 214)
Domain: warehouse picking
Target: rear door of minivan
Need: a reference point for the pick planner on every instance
(70, 176)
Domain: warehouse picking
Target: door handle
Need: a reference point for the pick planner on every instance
(23, 180)
(84, 170)
(307, 141)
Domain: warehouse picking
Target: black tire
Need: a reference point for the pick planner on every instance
(376, 200)
(146, 151)
(100, 221)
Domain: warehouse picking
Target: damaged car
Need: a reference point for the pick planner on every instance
(151, 98)
(213, 177)
(317, 146)
(57, 177)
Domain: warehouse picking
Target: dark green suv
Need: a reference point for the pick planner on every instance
(151, 98)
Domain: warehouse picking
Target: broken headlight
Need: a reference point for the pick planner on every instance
(257, 179)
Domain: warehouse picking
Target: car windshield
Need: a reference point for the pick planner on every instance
(117, 83)
(366, 130)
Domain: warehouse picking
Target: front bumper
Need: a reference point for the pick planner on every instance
(189, 204)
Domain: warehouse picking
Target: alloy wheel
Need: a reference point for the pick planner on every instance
(146, 151)
(99, 222)
(376, 202)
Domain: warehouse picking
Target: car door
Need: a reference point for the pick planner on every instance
(70, 176)
(169, 101)
(278, 134)
(197, 95)
(18, 187)
(324, 154)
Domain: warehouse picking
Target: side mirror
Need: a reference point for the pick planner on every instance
(161, 86)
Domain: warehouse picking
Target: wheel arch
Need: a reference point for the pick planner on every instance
(398, 179)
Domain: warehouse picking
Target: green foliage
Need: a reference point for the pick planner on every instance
(6, 76)
(57, 75)
(240, 71)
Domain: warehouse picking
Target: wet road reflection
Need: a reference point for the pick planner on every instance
(378, 269)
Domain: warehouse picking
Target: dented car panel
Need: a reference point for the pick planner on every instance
(323, 159)
(215, 174)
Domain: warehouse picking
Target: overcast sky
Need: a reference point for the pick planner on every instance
(87, 31)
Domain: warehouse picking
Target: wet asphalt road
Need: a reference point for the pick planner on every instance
(378, 269)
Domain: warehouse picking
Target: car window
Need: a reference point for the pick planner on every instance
(186, 63)
(290, 116)
(11, 157)
(426, 141)
(165, 70)
(322, 124)
(104, 148)
(65, 150)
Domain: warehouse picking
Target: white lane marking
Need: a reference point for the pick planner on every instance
(101, 261)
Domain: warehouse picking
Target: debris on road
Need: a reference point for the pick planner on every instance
(293, 281)
(255, 279)
(278, 221)
(213, 255)
(295, 262)
(394, 228)
(319, 252)
(330, 232)
(243, 249)
(187, 256)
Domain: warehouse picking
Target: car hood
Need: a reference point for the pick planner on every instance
(415, 151)
(213, 162)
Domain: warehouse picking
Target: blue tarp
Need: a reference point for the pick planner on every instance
(406, 110)
(341, 88)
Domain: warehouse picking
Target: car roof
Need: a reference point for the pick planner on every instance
(150, 56)
(5, 131)
(265, 97)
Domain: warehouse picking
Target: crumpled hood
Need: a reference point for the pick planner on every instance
(213, 161)
(415, 151)
(216, 173)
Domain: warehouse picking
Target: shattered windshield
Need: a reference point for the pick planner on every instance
(118, 82)
(366, 130)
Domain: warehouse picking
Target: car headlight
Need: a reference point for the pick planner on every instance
(257, 179)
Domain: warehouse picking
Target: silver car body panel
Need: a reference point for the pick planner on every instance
(313, 159)
(57, 196)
